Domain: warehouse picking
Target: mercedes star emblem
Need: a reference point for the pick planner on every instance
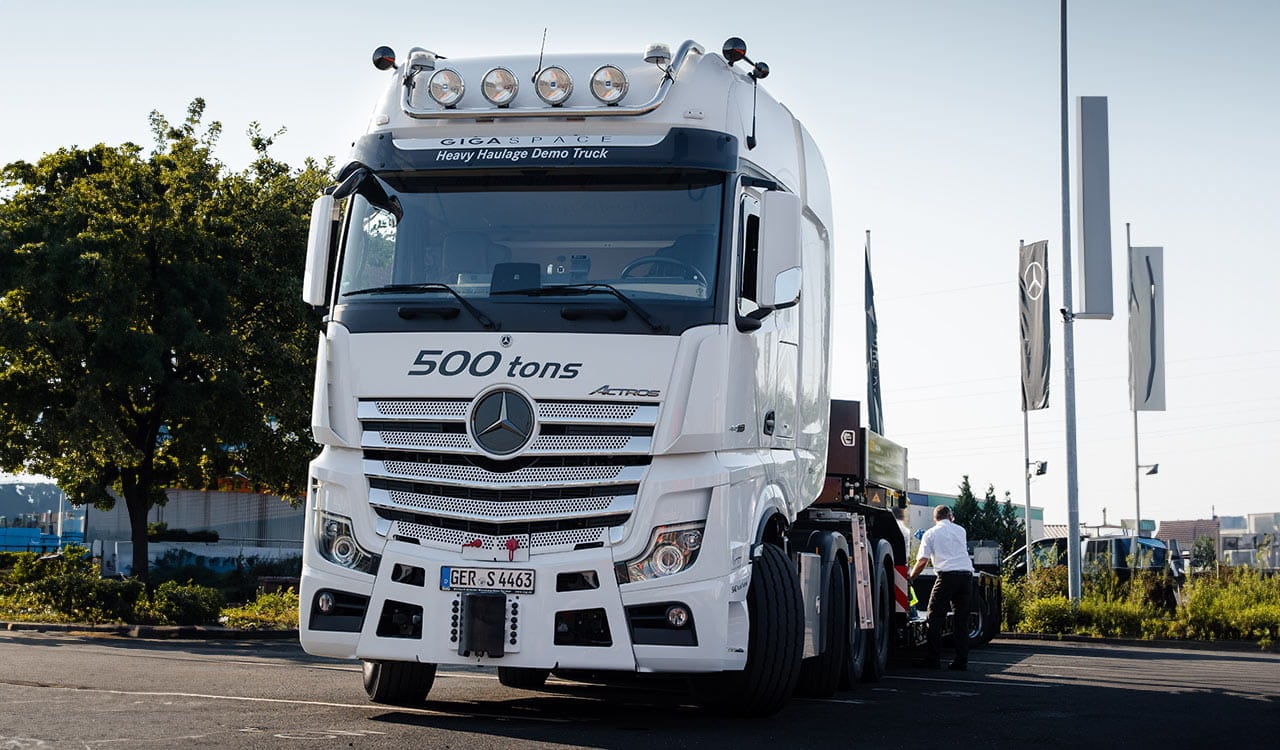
(1033, 279)
(502, 422)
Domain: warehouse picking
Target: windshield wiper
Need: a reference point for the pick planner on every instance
(593, 288)
(485, 320)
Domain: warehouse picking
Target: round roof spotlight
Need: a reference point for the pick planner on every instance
(734, 49)
(446, 87)
(499, 86)
(609, 84)
(554, 85)
(384, 58)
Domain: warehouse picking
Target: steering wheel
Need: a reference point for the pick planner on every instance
(691, 269)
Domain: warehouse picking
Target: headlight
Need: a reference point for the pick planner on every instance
(671, 549)
(609, 84)
(337, 543)
(554, 84)
(499, 86)
(446, 87)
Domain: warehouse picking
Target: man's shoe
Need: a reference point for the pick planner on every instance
(958, 666)
(927, 663)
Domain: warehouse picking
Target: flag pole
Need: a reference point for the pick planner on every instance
(1068, 344)
(1026, 455)
(1133, 402)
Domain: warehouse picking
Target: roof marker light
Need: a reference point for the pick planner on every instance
(446, 87)
(499, 86)
(554, 85)
(609, 84)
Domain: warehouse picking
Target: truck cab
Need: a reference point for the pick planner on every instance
(572, 387)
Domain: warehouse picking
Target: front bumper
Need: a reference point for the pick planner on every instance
(588, 628)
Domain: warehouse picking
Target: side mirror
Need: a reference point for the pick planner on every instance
(778, 266)
(314, 286)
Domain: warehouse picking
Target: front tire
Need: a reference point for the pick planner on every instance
(398, 683)
(775, 644)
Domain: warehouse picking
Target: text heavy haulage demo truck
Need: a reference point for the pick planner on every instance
(573, 387)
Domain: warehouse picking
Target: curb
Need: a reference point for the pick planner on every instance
(1238, 646)
(188, 632)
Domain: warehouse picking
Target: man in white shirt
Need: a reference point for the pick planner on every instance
(947, 546)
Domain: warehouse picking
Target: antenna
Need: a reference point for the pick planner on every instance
(541, 49)
(734, 50)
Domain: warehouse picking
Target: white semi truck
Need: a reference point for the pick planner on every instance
(572, 388)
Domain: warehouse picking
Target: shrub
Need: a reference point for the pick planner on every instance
(186, 604)
(1054, 614)
(270, 611)
(1111, 619)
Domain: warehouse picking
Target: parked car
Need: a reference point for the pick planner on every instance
(1154, 555)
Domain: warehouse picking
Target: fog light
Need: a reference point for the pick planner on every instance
(609, 84)
(554, 85)
(325, 602)
(499, 86)
(677, 616)
(446, 87)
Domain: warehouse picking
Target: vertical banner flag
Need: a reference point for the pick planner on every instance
(1146, 328)
(1033, 309)
(875, 412)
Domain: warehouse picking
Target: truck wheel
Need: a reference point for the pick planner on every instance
(878, 643)
(856, 654)
(774, 645)
(977, 617)
(398, 683)
(994, 615)
(820, 674)
(522, 678)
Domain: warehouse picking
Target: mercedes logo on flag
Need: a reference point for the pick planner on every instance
(502, 422)
(1033, 278)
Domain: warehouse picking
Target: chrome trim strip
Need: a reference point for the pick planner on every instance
(518, 511)
(526, 478)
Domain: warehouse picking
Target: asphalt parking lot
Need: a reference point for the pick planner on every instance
(70, 690)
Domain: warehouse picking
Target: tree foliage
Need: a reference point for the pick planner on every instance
(990, 519)
(1204, 552)
(151, 331)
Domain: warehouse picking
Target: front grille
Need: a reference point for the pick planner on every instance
(579, 475)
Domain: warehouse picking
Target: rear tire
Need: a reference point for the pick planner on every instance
(522, 678)
(878, 644)
(398, 683)
(775, 644)
(978, 616)
(995, 613)
(859, 640)
(820, 674)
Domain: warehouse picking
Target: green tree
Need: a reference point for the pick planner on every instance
(989, 519)
(966, 508)
(1204, 553)
(151, 331)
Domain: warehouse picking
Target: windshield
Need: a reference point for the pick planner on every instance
(653, 237)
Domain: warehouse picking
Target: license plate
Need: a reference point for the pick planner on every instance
(510, 580)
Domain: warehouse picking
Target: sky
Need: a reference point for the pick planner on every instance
(939, 123)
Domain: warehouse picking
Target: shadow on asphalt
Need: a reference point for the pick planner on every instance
(267, 649)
